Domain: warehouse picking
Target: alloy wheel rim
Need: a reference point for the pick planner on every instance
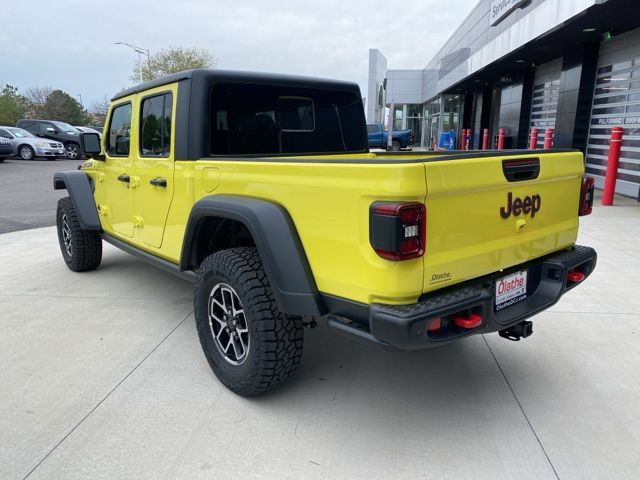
(228, 324)
(72, 151)
(25, 153)
(66, 235)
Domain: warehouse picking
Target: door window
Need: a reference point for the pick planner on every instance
(155, 126)
(4, 134)
(119, 131)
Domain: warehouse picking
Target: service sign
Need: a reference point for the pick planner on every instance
(502, 8)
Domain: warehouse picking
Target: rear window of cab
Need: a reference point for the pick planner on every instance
(272, 119)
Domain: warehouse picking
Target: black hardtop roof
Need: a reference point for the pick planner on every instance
(242, 77)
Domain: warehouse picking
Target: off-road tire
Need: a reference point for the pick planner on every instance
(395, 146)
(275, 339)
(86, 245)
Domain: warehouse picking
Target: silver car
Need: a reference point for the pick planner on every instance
(27, 146)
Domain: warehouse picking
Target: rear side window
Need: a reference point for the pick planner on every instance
(372, 128)
(119, 130)
(155, 126)
(274, 119)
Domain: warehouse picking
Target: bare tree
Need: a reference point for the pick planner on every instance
(172, 60)
(37, 97)
(99, 110)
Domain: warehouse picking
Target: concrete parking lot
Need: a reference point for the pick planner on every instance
(27, 198)
(103, 377)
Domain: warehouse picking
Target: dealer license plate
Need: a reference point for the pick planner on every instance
(511, 289)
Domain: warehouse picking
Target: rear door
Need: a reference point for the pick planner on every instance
(154, 163)
(491, 213)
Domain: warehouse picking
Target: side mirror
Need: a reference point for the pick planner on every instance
(90, 143)
(51, 129)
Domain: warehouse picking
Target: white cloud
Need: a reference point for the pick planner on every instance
(70, 44)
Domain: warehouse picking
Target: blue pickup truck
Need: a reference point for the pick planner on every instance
(378, 137)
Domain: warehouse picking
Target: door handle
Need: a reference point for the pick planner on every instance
(124, 178)
(158, 182)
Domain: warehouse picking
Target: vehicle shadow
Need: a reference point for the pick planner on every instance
(450, 381)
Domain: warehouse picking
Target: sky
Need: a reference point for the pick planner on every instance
(69, 44)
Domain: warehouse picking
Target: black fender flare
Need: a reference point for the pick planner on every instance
(79, 186)
(277, 241)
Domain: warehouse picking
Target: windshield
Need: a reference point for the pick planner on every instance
(65, 127)
(20, 133)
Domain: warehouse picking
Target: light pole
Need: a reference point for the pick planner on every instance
(80, 96)
(140, 51)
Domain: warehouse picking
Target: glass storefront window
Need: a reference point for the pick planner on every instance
(451, 113)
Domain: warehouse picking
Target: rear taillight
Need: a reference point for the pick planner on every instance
(586, 196)
(397, 230)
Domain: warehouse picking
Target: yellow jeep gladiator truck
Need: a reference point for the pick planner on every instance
(262, 190)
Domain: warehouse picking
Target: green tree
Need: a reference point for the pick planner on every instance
(13, 106)
(61, 106)
(172, 60)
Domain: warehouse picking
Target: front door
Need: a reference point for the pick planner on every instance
(118, 171)
(154, 164)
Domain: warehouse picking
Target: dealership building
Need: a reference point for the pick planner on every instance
(568, 65)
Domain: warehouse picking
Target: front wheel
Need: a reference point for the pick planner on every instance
(26, 152)
(73, 151)
(81, 249)
(250, 345)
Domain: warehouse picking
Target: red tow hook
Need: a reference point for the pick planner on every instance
(575, 276)
(472, 321)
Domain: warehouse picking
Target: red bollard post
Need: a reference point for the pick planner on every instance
(533, 139)
(501, 139)
(548, 139)
(612, 166)
(485, 139)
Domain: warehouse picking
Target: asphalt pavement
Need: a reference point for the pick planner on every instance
(27, 197)
(103, 377)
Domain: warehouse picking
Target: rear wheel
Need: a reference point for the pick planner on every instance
(81, 249)
(250, 345)
(26, 152)
(395, 146)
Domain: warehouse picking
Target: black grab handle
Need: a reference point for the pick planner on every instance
(521, 169)
(158, 182)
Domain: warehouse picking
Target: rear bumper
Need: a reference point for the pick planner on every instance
(405, 326)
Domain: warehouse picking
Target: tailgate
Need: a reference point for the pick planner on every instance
(479, 221)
